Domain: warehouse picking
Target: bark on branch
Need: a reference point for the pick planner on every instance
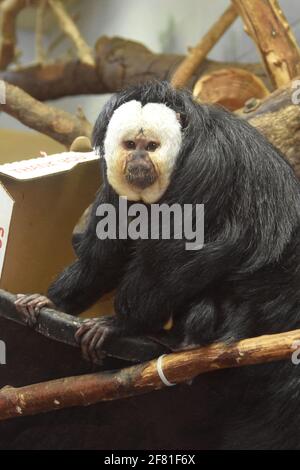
(9, 10)
(119, 63)
(178, 367)
(70, 29)
(198, 53)
(39, 31)
(55, 123)
(269, 29)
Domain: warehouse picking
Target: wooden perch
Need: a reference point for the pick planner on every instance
(178, 367)
(119, 63)
(198, 53)
(278, 118)
(70, 29)
(55, 123)
(230, 88)
(62, 327)
(269, 29)
(9, 10)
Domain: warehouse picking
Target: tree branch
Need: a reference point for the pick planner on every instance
(119, 63)
(62, 327)
(269, 29)
(9, 10)
(69, 27)
(178, 367)
(39, 31)
(55, 123)
(198, 53)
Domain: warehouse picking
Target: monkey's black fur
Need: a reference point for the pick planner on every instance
(245, 282)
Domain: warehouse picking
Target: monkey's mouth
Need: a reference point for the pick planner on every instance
(141, 173)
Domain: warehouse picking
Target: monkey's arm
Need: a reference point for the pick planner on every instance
(97, 270)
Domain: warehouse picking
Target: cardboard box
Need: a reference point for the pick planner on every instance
(16, 145)
(41, 200)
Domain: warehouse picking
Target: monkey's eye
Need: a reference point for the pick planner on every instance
(129, 145)
(152, 146)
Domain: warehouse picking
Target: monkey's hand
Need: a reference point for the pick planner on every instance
(93, 334)
(29, 306)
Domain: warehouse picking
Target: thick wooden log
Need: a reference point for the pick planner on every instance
(56, 123)
(198, 53)
(119, 63)
(178, 367)
(266, 24)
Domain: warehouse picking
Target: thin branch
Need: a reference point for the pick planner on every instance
(55, 123)
(200, 51)
(9, 10)
(60, 37)
(276, 42)
(178, 367)
(70, 29)
(39, 31)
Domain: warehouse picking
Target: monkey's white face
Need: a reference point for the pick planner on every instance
(140, 148)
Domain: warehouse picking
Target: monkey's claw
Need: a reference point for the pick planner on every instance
(92, 336)
(29, 306)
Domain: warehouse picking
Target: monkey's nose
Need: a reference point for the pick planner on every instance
(140, 172)
(139, 155)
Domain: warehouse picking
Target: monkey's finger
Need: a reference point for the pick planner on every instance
(91, 322)
(19, 296)
(32, 315)
(18, 303)
(34, 309)
(27, 298)
(81, 331)
(101, 342)
(85, 341)
(96, 334)
(41, 304)
(93, 344)
(85, 325)
(37, 300)
(33, 304)
(22, 301)
(21, 307)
